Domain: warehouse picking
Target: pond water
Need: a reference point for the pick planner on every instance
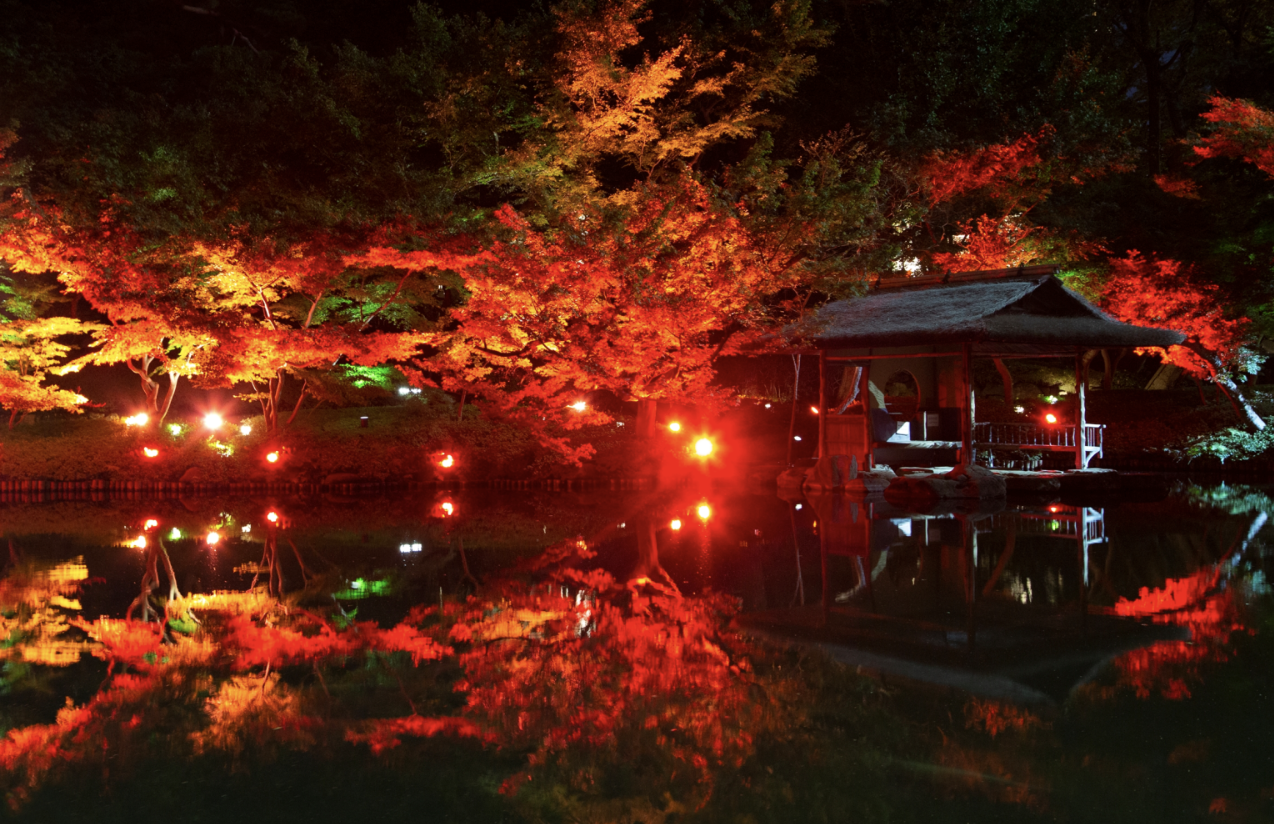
(696, 654)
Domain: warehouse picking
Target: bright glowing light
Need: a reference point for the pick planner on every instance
(175, 535)
(798, 507)
(448, 507)
(703, 447)
(579, 406)
(174, 428)
(447, 462)
(245, 429)
(246, 528)
(796, 438)
(212, 420)
(1051, 398)
(149, 453)
(212, 538)
(676, 523)
(1019, 409)
(404, 390)
(814, 409)
(140, 419)
(1050, 417)
(272, 517)
(767, 406)
(704, 511)
(140, 543)
(1055, 508)
(272, 457)
(151, 523)
(674, 426)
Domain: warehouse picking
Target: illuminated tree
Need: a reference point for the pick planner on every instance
(1169, 294)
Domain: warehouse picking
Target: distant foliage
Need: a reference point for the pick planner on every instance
(1242, 130)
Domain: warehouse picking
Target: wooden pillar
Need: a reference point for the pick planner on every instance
(822, 403)
(1081, 411)
(966, 410)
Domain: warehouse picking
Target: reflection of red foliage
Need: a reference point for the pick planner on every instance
(1169, 667)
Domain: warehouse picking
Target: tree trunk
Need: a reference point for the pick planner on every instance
(796, 391)
(1007, 377)
(1238, 400)
(646, 408)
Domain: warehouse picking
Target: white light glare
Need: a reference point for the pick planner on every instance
(404, 390)
(247, 528)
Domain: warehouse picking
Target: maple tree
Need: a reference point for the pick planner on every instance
(1169, 294)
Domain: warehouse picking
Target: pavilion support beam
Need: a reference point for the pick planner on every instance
(822, 405)
(1081, 404)
(1007, 377)
(966, 408)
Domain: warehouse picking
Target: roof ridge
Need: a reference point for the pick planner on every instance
(951, 278)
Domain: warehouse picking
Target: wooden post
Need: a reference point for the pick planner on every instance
(822, 403)
(966, 411)
(1081, 412)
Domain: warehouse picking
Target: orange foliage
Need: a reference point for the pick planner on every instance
(1178, 187)
(1001, 244)
(1244, 130)
(998, 168)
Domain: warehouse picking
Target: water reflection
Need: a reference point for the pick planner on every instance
(588, 644)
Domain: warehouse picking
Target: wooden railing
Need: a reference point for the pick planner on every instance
(1059, 438)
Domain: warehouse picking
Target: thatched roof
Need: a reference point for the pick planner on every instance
(1025, 310)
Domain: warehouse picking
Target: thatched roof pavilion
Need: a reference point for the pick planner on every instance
(914, 324)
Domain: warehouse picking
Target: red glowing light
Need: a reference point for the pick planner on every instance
(674, 426)
(448, 508)
(1050, 417)
(814, 409)
(704, 511)
(676, 523)
(140, 543)
(703, 447)
(212, 538)
(272, 517)
(212, 420)
(273, 457)
(151, 523)
(447, 462)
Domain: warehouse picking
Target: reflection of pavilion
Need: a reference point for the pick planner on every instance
(995, 603)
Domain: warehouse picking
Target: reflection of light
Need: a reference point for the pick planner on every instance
(140, 543)
(705, 511)
(814, 409)
(245, 429)
(140, 419)
(174, 428)
(676, 523)
(674, 426)
(148, 452)
(621, 526)
(798, 507)
(703, 446)
(448, 507)
(1019, 409)
(212, 420)
(1054, 508)
(212, 538)
(272, 517)
(175, 535)
(405, 548)
(273, 457)
(904, 525)
(1050, 417)
(447, 462)
(767, 406)
(796, 438)
(151, 523)
(579, 406)
(246, 528)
